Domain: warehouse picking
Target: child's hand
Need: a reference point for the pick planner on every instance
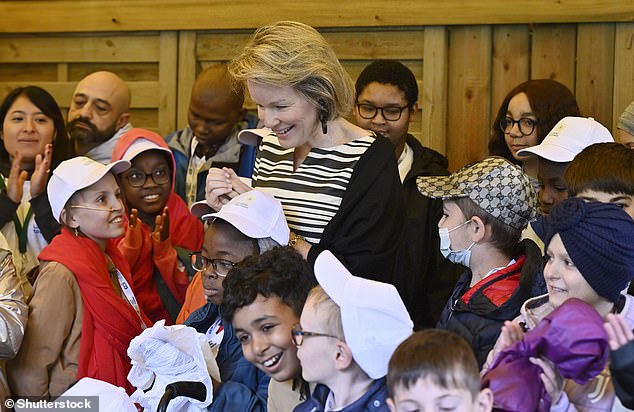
(161, 230)
(618, 330)
(553, 381)
(133, 220)
(41, 171)
(16, 180)
(511, 333)
(221, 186)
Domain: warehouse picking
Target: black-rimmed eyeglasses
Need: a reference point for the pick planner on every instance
(137, 178)
(525, 124)
(389, 113)
(221, 267)
(298, 334)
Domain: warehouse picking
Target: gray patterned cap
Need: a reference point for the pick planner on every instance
(494, 184)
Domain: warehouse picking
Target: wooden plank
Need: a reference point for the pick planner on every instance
(144, 94)
(510, 64)
(623, 70)
(71, 49)
(138, 15)
(186, 75)
(553, 53)
(62, 72)
(167, 82)
(127, 71)
(145, 119)
(28, 72)
(469, 94)
(595, 70)
(433, 104)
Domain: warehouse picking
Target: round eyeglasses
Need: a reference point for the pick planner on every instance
(389, 113)
(137, 178)
(525, 124)
(201, 263)
(298, 334)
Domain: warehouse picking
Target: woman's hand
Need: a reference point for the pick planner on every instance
(222, 185)
(618, 330)
(16, 179)
(161, 226)
(511, 333)
(553, 381)
(41, 171)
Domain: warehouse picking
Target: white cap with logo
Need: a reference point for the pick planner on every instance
(76, 174)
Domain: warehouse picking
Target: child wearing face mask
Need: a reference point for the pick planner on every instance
(485, 208)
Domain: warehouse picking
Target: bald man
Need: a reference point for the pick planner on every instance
(215, 117)
(99, 115)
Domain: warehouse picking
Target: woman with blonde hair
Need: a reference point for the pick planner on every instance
(338, 183)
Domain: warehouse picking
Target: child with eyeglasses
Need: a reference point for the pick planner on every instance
(83, 313)
(158, 223)
(348, 330)
(248, 225)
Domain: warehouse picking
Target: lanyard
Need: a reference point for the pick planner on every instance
(129, 295)
(20, 229)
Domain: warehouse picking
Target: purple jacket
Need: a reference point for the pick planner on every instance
(572, 337)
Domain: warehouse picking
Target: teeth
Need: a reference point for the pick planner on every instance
(272, 361)
(117, 220)
(284, 131)
(151, 197)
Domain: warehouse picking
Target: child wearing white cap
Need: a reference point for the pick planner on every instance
(248, 225)
(347, 333)
(83, 313)
(159, 222)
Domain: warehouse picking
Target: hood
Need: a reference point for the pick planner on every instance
(131, 136)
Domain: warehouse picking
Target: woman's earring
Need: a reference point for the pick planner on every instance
(76, 230)
(323, 116)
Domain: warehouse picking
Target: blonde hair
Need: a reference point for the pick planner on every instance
(329, 310)
(292, 54)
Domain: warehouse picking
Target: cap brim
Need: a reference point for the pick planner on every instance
(439, 187)
(201, 210)
(550, 152)
(252, 137)
(238, 221)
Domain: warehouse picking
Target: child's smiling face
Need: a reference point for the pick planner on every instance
(150, 197)
(264, 330)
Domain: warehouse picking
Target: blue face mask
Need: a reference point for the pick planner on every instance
(460, 257)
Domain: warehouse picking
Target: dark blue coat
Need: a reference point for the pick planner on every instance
(372, 401)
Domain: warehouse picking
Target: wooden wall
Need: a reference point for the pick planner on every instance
(465, 59)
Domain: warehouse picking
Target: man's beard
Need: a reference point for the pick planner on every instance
(85, 139)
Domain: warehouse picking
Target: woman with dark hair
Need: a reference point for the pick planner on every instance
(34, 140)
(527, 114)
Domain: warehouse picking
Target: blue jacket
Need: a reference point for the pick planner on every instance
(241, 379)
(372, 401)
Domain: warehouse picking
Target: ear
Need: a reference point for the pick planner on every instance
(68, 219)
(343, 356)
(412, 112)
(477, 229)
(390, 404)
(484, 401)
(123, 119)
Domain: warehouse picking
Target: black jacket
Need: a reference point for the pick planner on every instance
(493, 300)
(364, 232)
(423, 277)
(622, 370)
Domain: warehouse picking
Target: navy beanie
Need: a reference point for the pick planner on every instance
(599, 238)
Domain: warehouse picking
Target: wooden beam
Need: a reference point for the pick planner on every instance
(141, 15)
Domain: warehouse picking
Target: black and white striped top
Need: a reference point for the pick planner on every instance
(310, 195)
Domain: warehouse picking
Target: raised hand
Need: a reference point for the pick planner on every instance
(16, 179)
(618, 330)
(41, 171)
(161, 226)
(133, 219)
(553, 381)
(222, 185)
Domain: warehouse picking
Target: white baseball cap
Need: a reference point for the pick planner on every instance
(141, 145)
(254, 213)
(76, 174)
(373, 315)
(568, 138)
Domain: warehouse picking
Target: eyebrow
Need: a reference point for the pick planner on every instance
(261, 319)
